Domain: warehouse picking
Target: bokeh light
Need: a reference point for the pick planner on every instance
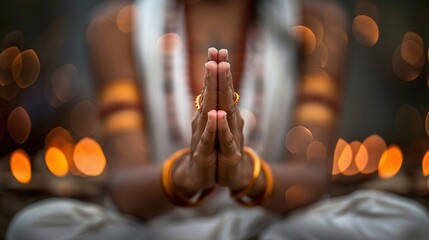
(401, 68)
(89, 157)
(26, 68)
(58, 137)
(316, 151)
(414, 37)
(298, 139)
(361, 158)
(375, 146)
(425, 164)
(64, 83)
(351, 168)
(125, 19)
(119, 91)
(335, 38)
(84, 118)
(390, 162)
(315, 26)
(345, 159)
(412, 52)
(19, 125)
(7, 57)
(408, 58)
(20, 166)
(56, 162)
(313, 112)
(365, 30)
(169, 43)
(306, 37)
(339, 147)
(318, 81)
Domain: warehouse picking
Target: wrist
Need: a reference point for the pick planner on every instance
(181, 178)
(171, 189)
(241, 175)
(186, 180)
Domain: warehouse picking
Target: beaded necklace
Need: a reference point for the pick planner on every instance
(253, 88)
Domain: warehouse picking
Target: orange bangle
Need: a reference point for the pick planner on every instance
(256, 172)
(269, 188)
(167, 184)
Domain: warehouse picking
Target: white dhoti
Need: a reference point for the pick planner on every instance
(366, 214)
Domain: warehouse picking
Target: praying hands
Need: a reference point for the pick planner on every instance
(216, 153)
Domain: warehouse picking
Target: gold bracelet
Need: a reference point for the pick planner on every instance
(256, 172)
(269, 188)
(167, 184)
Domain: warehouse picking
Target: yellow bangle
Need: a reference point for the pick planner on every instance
(167, 184)
(256, 172)
(269, 188)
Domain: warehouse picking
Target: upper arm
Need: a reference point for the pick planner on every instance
(117, 87)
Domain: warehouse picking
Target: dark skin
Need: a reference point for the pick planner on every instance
(217, 135)
(217, 139)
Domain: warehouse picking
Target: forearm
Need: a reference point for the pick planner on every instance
(295, 186)
(134, 182)
(138, 191)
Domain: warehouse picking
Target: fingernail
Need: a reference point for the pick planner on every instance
(224, 115)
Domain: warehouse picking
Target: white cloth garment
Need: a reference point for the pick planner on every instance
(365, 214)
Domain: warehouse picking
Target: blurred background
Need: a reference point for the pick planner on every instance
(49, 125)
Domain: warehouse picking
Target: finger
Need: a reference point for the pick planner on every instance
(226, 138)
(226, 94)
(224, 88)
(208, 101)
(223, 56)
(208, 137)
(209, 95)
(212, 54)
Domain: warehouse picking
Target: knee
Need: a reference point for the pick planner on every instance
(28, 223)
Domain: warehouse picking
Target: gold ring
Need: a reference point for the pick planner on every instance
(198, 100)
(237, 97)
